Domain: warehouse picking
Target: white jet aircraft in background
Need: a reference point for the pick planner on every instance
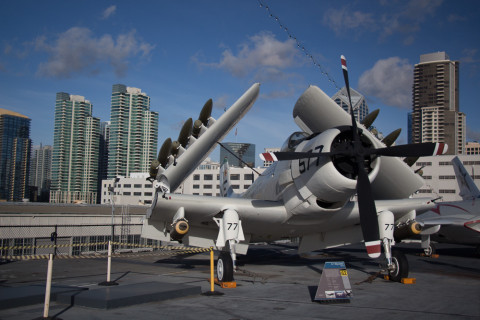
(457, 221)
(307, 193)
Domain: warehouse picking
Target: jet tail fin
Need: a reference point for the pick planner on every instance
(468, 188)
(226, 189)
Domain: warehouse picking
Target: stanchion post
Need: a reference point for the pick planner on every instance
(109, 268)
(109, 263)
(212, 280)
(48, 287)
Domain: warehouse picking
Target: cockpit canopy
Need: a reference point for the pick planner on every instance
(294, 140)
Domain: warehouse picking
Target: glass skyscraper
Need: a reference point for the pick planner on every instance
(360, 107)
(75, 151)
(133, 132)
(40, 172)
(244, 151)
(15, 145)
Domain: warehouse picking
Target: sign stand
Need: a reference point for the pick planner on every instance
(334, 286)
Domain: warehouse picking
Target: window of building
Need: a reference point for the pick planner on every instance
(426, 164)
(137, 186)
(196, 186)
(207, 194)
(234, 177)
(196, 177)
(248, 177)
(208, 177)
(447, 177)
(207, 186)
(127, 185)
(446, 191)
(137, 194)
(235, 186)
(148, 194)
(127, 193)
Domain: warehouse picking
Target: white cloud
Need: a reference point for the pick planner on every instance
(109, 11)
(344, 20)
(77, 50)
(263, 54)
(390, 80)
(393, 17)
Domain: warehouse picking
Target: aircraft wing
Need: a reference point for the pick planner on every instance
(201, 209)
(197, 151)
(316, 112)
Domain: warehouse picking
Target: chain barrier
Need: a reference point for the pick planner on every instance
(165, 250)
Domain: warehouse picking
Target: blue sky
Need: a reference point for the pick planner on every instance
(181, 53)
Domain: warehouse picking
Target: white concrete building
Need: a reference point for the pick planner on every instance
(134, 190)
(205, 179)
(440, 178)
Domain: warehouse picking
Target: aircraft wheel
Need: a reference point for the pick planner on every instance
(430, 250)
(224, 267)
(400, 266)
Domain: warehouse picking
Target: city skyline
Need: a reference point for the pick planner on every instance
(183, 53)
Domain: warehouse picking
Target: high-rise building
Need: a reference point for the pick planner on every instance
(243, 151)
(472, 147)
(40, 172)
(360, 107)
(103, 153)
(15, 145)
(75, 151)
(436, 116)
(133, 132)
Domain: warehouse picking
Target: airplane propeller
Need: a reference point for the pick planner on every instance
(356, 151)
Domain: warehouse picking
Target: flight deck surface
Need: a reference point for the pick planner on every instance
(273, 282)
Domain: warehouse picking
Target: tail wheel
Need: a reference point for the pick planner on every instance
(400, 266)
(224, 267)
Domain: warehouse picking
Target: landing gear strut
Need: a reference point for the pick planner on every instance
(224, 267)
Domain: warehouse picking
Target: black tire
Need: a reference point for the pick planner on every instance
(401, 266)
(224, 267)
(430, 250)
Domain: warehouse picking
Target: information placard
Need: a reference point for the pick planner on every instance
(334, 284)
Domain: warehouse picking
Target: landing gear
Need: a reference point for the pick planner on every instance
(224, 267)
(430, 250)
(398, 269)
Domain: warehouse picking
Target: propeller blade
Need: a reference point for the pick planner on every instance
(368, 214)
(412, 150)
(410, 161)
(165, 152)
(185, 132)
(366, 203)
(390, 139)
(284, 156)
(206, 112)
(370, 118)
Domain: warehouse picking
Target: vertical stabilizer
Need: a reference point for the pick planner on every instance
(468, 189)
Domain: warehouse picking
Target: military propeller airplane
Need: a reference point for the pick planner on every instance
(308, 192)
(455, 221)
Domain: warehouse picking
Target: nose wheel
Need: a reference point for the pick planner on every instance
(224, 267)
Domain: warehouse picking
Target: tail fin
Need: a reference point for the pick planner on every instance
(468, 188)
(226, 189)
